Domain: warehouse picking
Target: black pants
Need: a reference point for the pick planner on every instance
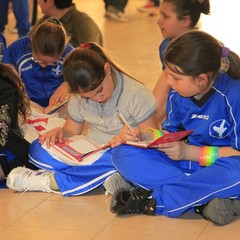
(118, 4)
(35, 11)
(19, 147)
(156, 3)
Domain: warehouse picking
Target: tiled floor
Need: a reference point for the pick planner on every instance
(35, 216)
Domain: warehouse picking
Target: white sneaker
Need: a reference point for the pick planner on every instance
(115, 182)
(22, 179)
(115, 14)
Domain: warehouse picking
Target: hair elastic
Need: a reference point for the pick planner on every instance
(208, 155)
(225, 51)
(225, 63)
(85, 45)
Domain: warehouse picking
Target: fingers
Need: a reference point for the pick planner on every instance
(60, 94)
(51, 137)
(173, 150)
(128, 135)
(115, 141)
(54, 100)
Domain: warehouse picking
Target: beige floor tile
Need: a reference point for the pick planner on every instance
(158, 227)
(15, 233)
(14, 206)
(85, 214)
(229, 232)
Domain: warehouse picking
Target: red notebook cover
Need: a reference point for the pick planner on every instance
(170, 137)
(85, 148)
(166, 138)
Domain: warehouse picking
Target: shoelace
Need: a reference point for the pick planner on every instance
(31, 183)
(137, 200)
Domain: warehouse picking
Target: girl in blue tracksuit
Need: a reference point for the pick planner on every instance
(101, 90)
(176, 17)
(38, 60)
(206, 168)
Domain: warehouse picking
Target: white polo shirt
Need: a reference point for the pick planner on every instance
(130, 97)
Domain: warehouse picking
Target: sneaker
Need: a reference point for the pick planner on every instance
(115, 14)
(148, 6)
(22, 179)
(115, 182)
(135, 200)
(220, 211)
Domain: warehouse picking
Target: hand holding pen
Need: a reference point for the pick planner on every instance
(134, 133)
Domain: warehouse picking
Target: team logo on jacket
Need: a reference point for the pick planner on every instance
(202, 116)
(219, 129)
(23, 69)
(57, 71)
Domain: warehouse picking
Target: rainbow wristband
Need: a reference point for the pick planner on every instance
(156, 132)
(208, 155)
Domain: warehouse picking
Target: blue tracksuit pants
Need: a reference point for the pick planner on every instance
(177, 185)
(73, 180)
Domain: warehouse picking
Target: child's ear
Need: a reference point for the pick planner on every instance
(107, 68)
(186, 20)
(202, 80)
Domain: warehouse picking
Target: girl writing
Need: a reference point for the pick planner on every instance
(100, 91)
(204, 79)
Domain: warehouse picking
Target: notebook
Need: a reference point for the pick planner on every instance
(49, 109)
(77, 150)
(166, 138)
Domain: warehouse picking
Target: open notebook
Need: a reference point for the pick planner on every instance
(49, 109)
(166, 138)
(77, 150)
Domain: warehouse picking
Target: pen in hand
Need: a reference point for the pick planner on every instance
(126, 123)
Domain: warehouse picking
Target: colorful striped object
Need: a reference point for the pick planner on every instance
(208, 155)
(156, 132)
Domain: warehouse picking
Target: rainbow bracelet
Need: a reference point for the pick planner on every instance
(208, 155)
(156, 132)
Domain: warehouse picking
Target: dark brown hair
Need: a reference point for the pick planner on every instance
(8, 73)
(61, 4)
(191, 8)
(197, 52)
(83, 68)
(49, 38)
